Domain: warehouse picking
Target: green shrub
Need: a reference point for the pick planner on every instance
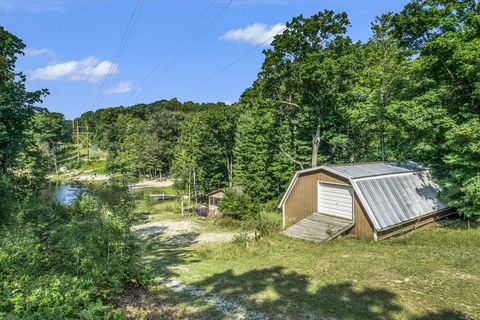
(238, 205)
(271, 206)
(242, 240)
(267, 224)
(65, 259)
(34, 288)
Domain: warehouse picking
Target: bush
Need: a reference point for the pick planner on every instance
(271, 206)
(64, 259)
(242, 240)
(267, 224)
(238, 205)
(33, 288)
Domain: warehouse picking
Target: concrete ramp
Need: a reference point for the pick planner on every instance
(319, 227)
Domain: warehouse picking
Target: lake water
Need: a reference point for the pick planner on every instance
(66, 193)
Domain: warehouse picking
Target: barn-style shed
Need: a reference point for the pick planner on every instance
(376, 200)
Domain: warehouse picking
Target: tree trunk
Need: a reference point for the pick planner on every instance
(230, 171)
(195, 187)
(189, 190)
(315, 146)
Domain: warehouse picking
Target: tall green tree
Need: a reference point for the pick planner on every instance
(204, 153)
(257, 164)
(50, 130)
(306, 80)
(383, 79)
(444, 113)
(17, 105)
(17, 108)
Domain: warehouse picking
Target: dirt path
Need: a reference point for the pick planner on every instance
(183, 234)
(231, 309)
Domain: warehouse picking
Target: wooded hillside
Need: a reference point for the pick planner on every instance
(411, 92)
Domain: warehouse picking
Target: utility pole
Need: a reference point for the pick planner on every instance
(88, 145)
(78, 144)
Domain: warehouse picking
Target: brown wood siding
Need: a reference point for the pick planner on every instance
(302, 200)
(363, 227)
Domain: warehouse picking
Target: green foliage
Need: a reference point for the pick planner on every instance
(463, 160)
(22, 167)
(17, 105)
(441, 128)
(64, 259)
(204, 154)
(257, 162)
(239, 205)
(267, 224)
(242, 240)
(55, 262)
(49, 131)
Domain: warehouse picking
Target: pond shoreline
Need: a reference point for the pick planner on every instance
(66, 192)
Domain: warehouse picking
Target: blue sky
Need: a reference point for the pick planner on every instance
(71, 46)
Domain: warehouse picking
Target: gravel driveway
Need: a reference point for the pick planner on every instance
(179, 232)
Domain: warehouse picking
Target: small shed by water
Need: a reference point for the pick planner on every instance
(214, 198)
(375, 200)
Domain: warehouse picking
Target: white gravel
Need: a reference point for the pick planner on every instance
(180, 232)
(168, 228)
(231, 309)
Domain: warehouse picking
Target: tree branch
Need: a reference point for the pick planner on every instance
(286, 102)
(291, 158)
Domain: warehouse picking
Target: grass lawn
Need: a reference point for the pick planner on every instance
(432, 273)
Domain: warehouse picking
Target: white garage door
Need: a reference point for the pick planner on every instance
(335, 199)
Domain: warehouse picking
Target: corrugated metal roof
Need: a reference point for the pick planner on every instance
(370, 169)
(393, 199)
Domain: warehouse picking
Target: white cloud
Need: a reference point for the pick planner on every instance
(122, 87)
(89, 69)
(257, 33)
(35, 52)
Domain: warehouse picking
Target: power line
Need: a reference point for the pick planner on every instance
(121, 46)
(185, 49)
(177, 43)
(126, 35)
(235, 61)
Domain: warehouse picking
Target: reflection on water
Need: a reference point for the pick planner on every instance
(65, 193)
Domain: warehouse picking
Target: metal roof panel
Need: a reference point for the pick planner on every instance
(393, 199)
(361, 170)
